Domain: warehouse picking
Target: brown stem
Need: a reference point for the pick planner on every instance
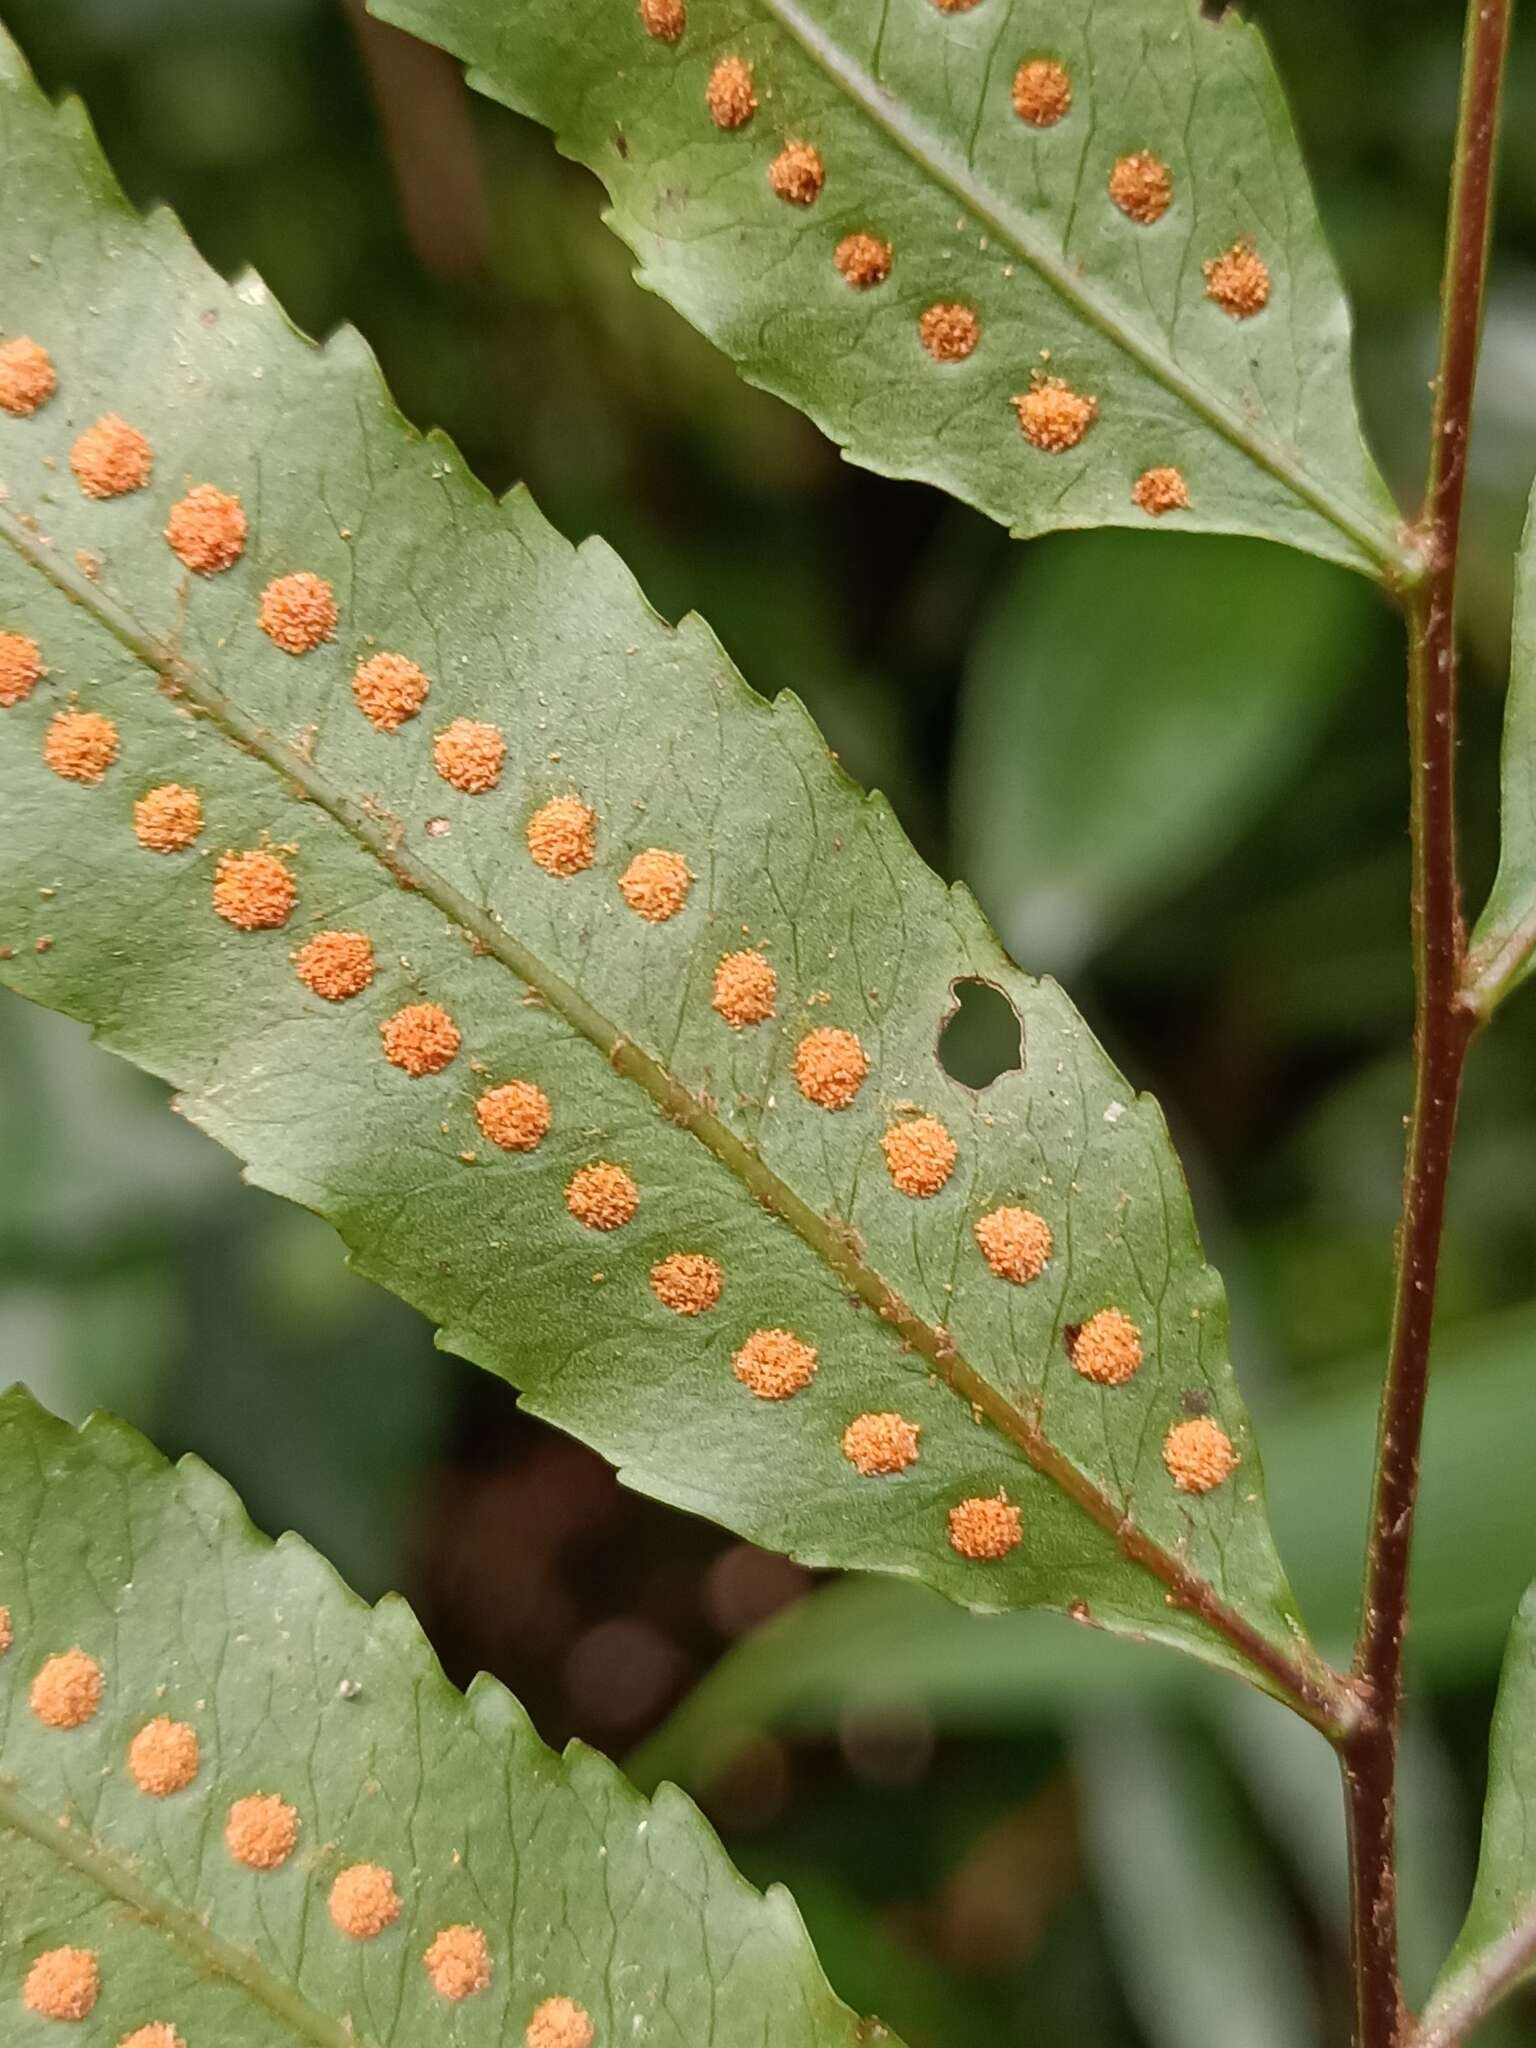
(1443, 1029)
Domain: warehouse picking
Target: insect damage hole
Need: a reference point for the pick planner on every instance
(981, 1035)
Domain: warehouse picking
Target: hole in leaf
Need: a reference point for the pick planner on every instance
(981, 1037)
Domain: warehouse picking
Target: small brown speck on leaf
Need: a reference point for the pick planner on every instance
(261, 1831)
(877, 1444)
(1107, 1348)
(21, 668)
(830, 1065)
(27, 376)
(746, 989)
(1141, 185)
(80, 745)
(1042, 92)
(158, 2034)
(688, 1283)
(1199, 1455)
(469, 754)
(602, 1196)
(389, 688)
(1015, 1243)
(164, 1756)
(655, 885)
(206, 529)
(773, 1364)
(732, 100)
(67, 1690)
(364, 1901)
(298, 612)
(111, 458)
(63, 1984)
(1052, 416)
(663, 19)
(862, 260)
(797, 173)
(253, 891)
(562, 836)
(559, 2023)
(920, 1156)
(1157, 491)
(335, 965)
(458, 1962)
(985, 1529)
(168, 818)
(420, 1039)
(949, 332)
(1238, 281)
(514, 1116)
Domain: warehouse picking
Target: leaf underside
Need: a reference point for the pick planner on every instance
(556, 981)
(911, 108)
(299, 1691)
(1503, 945)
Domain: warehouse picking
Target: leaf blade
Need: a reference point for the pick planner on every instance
(1502, 948)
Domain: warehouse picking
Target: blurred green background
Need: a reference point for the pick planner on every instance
(997, 1829)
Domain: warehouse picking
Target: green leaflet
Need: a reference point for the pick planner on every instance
(911, 108)
(556, 981)
(1503, 943)
(299, 1691)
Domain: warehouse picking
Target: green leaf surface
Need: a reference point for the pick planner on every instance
(555, 980)
(1503, 944)
(298, 1691)
(911, 108)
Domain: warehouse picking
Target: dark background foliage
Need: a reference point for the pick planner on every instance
(1174, 772)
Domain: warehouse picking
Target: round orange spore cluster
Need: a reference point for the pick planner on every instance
(335, 965)
(1052, 416)
(63, 1984)
(261, 1831)
(773, 1364)
(420, 1039)
(67, 1690)
(7, 1637)
(254, 890)
(949, 332)
(21, 668)
(164, 1757)
(364, 1901)
(602, 1196)
(469, 754)
(1238, 281)
(920, 1156)
(1042, 92)
(80, 745)
(985, 1528)
(663, 19)
(1107, 1348)
(1141, 185)
(862, 260)
(559, 2023)
(830, 1065)
(206, 529)
(688, 1283)
(1160, 490)
(167, 818)
(878, 1443)
(298, 612)
(797, 173)
(389, 689)
(732, 100)
(158, 2034)
(746, 989)
(1015, 1243)
(955, 6)
(655, 885)
(459, 1962)
(562, 836)
(111, 458)
(1199, 1455)
(514, 1116)
(27, 376)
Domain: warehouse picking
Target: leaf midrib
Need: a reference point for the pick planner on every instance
(1302, 1678)
(1095, 305)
